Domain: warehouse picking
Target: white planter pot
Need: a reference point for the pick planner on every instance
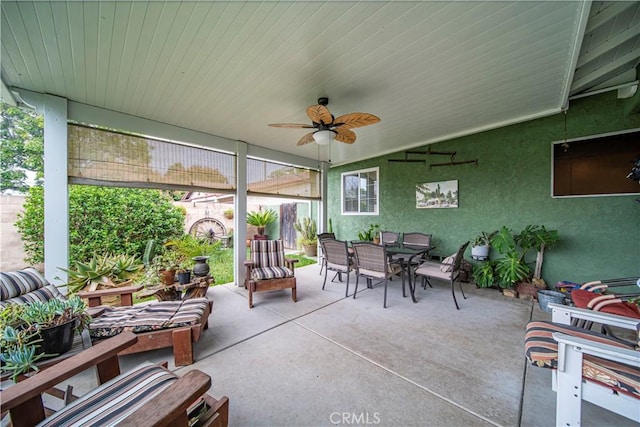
(480, 253)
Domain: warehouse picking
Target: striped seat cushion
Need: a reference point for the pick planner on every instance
(26, 286)
(542, 350)
(271, 273)
(114, 400)
(144, 318)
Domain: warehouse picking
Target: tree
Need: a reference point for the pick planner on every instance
(22, 148)
(103, 220)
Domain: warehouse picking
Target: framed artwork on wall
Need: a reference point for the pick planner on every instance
(441, 194)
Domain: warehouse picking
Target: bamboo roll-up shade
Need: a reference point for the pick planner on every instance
(99, 155)
(269, 178)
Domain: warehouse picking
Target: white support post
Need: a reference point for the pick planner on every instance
(240, 218)
(56, 190)
(324, 176)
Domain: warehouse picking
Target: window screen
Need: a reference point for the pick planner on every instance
(269, 178)
(103, 156)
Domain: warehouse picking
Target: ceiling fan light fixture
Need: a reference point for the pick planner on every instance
(324, 137)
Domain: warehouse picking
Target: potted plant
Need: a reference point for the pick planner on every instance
(371, 234)
(484, 274)
(261, 219)
(228, 213)
(30, 332)
(513, 268)
(308, 235)
(481, 244)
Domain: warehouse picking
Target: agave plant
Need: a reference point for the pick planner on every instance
(106, 270)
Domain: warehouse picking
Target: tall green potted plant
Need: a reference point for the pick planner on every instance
(308, 235)
(261, 219)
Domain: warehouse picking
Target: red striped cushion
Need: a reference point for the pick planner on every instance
(542, 350)
(114, 400)
(151, 317)
(581, 299)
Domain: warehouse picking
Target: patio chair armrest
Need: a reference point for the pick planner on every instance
(603, 351)
(125, 293)
(564, 314)
(103, 355)
(248, 263)
(170, 406)
(291, 260)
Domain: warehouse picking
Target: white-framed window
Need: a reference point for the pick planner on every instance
(360, 192)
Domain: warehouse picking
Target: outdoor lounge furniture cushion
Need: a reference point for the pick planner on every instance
(542, 350)
(448, 263)
(114, 400)
(25, 286)
(581, 299)
(150, 317)
(268, 261)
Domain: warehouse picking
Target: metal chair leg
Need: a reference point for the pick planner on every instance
(384, 305)
(356, 291)
(325, 278)
(346, 293)
(454, 296)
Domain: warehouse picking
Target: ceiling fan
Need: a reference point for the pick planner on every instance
(328, 127)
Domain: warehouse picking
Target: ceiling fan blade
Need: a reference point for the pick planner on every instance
(319, 114)
(306, 139)
(290, 125)
(345, 135)
(356, 120)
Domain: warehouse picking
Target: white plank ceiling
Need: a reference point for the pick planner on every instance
(429, 70)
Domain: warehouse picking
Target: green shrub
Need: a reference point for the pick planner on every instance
(103, 220)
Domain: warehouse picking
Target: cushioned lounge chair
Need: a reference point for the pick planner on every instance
(176, 324)
(268, 269)
(587, 365)
(147, 395)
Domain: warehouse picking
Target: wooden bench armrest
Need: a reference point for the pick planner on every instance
(103, 355)
(125, 293)
(248, 263)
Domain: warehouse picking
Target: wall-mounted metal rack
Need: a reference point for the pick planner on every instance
(430, 152)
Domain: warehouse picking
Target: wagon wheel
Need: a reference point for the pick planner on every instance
(208, 228)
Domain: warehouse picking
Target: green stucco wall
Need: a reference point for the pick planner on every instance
(600, 236)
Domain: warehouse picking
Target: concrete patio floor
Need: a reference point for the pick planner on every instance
(331, 360)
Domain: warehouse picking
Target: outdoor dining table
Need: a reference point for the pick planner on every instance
(407, 255)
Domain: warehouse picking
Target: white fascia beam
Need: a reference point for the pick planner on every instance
(577, 39)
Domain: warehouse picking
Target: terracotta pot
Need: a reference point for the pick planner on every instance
(168, 277)
(310, 250)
